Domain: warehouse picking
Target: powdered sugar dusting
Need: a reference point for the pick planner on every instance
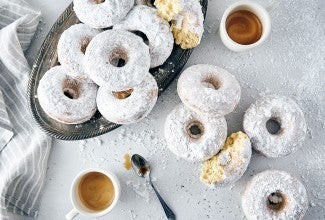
(157, 30)
(287, 113)
(177, 134)
(208, 90)
(262, 185)
(117, 44)
(102, 14)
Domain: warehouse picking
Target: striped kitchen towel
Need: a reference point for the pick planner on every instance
(24, 148)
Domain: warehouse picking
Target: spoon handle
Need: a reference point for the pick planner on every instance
(169, 213)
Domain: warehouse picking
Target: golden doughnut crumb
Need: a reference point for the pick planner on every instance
(167, 9)
(127, 161)
(123, 94)
(213, 170)
(183, 35)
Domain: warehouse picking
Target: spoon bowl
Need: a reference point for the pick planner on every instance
(140, 165)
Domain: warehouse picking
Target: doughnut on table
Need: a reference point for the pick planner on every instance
(290, 62)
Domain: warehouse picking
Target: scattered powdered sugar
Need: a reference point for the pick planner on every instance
(291, 62)
(142, 189)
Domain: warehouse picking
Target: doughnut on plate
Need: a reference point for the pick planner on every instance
(97, 125)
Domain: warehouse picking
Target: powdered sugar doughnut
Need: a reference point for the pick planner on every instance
(230, 163)
(274, 194)
(146, 20)
(66, 99)
(289, 117)
(107, 49)
(208, 90)
(128, 106)
(187, 20)
(194, 137)
(101, 13)
(72, 46)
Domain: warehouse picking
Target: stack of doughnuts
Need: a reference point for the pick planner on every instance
(105, 62)
(197, 130)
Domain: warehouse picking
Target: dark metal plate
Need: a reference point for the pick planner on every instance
(97, 125)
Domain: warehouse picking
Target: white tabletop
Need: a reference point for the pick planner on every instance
(290, 62)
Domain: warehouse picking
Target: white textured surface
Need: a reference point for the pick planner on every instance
(290, 62)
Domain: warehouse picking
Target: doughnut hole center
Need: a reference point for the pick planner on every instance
(273, 126)
(71, 88)
(123, 94)
(195, 130)
(99, 1)
(118, 57)
(84, 44)
(276, 201)
(212, 83)
(142, 35)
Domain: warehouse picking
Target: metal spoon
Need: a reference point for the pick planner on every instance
(142, 169)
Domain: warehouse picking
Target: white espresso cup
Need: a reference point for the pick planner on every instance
(79, 207)
(254, 8)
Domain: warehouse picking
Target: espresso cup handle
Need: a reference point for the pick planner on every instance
(71, 214)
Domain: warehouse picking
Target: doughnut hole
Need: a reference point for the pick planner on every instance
(71, 88)
(195, 130)
(84, 44)
(273, 126)
(99, 1)
(123, 94)
(118, 57)
(276, 201)
(212, 82)
(142, 35)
